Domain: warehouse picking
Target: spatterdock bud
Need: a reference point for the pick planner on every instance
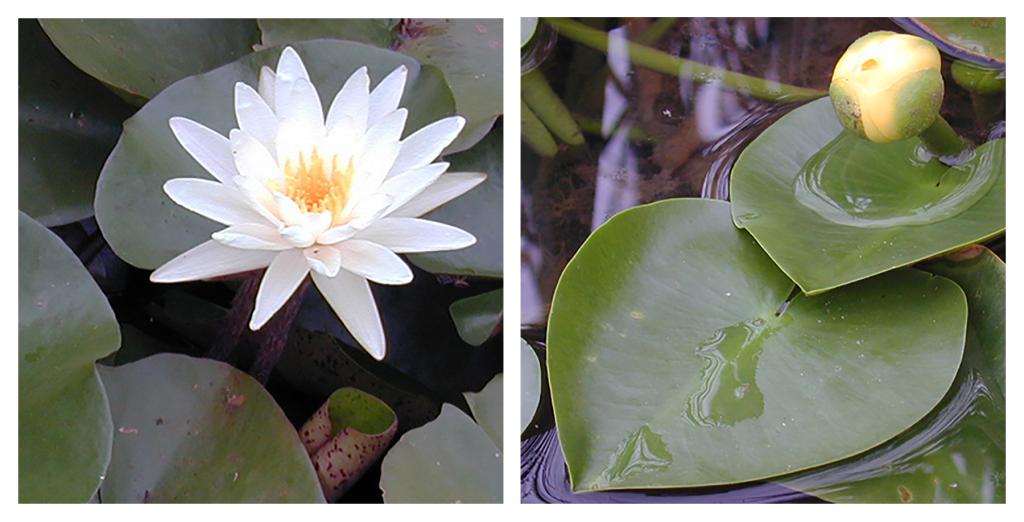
(887, 86)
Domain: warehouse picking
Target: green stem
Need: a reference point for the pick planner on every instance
(655, 31)
(539, 96)
(593, 126)
(666, 63)
(535, 134)
(941, 139)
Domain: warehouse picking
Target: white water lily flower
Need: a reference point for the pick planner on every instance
(334, 198)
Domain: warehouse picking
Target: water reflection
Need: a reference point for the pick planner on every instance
(728, 390)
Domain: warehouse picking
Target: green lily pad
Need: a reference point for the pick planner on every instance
(477, 317)
(378, 32)
(469, 51)
(486, 406)
(449, 460)
(64, 325)
(530, 384)
(527, 26)
(142, 225)
(980, 40)
(67, 124)
(675, 359)
(198, 430)
(478, 212)
(143, 56)
(831, 209)
(958, 452)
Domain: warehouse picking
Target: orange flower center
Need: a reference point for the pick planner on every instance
(317, 184)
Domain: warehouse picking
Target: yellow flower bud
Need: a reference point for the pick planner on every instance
(887, 86)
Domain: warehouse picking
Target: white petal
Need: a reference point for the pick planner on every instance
(342, 140)
(424, 145)
(336, 234)
(252, 159)
(388, 128)
(254, 116)
(445, 189)
(267, 80)
(369, 210)
(374, 262)
(373, 167)
(350, 297)
(406, 235)
(284, 275)
(289, 211)
(216, 201)
(298, 235)
(210, 259)
(259, 198)
(301, 109)
(290, 66)
(385, 97)
(405, 186)
(352, 100)
(319, 222)
(251, 236)
(323, 259)
(211, 150)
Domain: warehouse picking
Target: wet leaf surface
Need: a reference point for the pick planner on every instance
(64, 325)
(676, 360)
(831, 209)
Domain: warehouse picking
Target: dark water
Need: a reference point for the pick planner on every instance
(651, 137)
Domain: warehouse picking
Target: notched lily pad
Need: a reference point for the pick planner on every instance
(831, 209)
(64, 325)
(142, 225)
(958, 452)
(197, 430)
(676, 360)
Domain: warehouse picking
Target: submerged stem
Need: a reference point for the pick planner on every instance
(666, 63)
(274, 336)
(237, 319)
(542, 100)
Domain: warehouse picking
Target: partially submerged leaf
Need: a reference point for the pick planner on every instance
(486, 406)
(198, 430)
(477, 317)
(449, 460)
(530, 387)
(64, 325)
(831, 209)
(675, 359)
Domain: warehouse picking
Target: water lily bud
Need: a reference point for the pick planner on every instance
(887, 86)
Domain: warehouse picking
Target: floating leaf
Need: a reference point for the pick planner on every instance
(477, 317)
(478, 212)
(468, 51)
(198, 430)
(486, 408)
(142, 225)
(979, 40)
(831, 209)
(527, 26)
(449, 460)
(530, 384)
(675, 359)
(64, 325)
(67, 124)
(346, 436)
(373, 31)
(958, 452)
(143, 56)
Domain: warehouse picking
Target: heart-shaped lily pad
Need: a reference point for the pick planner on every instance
(675, 360)
(142, 56)
(198, 430)
(831, 209)
(977, 39)
(142, 225)
(449, 460)
(374, 31)
(958, 452)
(64, 325)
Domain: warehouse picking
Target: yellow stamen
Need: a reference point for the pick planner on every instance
(317, 184)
